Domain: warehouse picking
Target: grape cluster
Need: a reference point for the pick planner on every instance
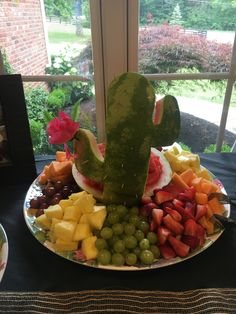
(125, 238)
(52, 193)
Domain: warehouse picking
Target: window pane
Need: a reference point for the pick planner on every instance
(177, 36)
(200, 103)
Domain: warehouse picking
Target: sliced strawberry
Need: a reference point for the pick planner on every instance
(177, 203)
(172, 224)
(146, 209)
(191, 241)
(167, 204)
(184, 213)
(188, 194)
(146, 200)
(167, 252)
(201, 210)
(157, 215)
(181, 249)
(190, 227)
(201, 234)
(173, 189)
(162, 235)
(174, 213)
(191, 207)
(163, 196)
(152, 225)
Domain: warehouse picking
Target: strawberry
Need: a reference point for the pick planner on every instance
(152, 225)
(181, 249)
(184, 213)
(190, 227)
(146, 209)
(162, 235)
(167, 204)
(146, 200)
(157, 215)
(173, 189)
(188, 194)
(166, 251)
(174, 213)
(177, 203)
(163, 196)
(192, 241)
(172, 224)
(191, 207)
(201, 234)
(201, 210)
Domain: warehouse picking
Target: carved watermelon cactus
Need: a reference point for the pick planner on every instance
(130, 134)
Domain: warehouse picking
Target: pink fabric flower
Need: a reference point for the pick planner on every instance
(61, 129)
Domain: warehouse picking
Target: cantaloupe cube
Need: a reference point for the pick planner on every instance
(206, 186)
(43, 222)
(65, 203)
(65, 230)
(176, 179)
(82, 232)
(60, 156)
(196, 183)
(72, 213)
(204, 173)
(216, 207)
(54, 211)
(206, 224)
(62, 245)
(201, 198)
(187, 176)
(96, 219)
(209, 212)
(86, 203)
(88, 247)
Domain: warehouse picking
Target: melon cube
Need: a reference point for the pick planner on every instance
(88, 247)
(65, 203)
(84, 219)
(72, 213)
(76, 196)
(82, 232)
(62, 245)
(86, 203)
(65, 230)
(96, 219)
(54, 211)
(54, 222)
(43, 222)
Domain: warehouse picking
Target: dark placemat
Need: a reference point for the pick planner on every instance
(120, 301)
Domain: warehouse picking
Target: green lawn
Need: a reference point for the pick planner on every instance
(70, 38)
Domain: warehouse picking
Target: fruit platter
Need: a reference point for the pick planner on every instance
(136, 202)
(3, 251)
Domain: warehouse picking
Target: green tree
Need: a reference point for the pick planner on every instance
(63, 9)
(176, 17)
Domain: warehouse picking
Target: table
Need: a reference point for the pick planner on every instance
(33, 268)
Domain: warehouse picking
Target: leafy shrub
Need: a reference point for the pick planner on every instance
(212, 148)
(36, 99)
(6, 64)
(166, 49)
(56, 100)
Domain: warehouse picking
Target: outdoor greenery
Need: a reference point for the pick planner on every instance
(212, 148)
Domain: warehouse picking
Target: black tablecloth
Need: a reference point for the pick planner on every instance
(32, 267)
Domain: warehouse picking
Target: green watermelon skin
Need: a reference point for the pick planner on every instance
(130, 134)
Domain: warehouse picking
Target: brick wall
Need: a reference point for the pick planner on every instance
(22, 36)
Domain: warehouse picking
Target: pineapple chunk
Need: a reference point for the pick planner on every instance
(54, 222)
(86, 203)
(82, 232)
(72, 213)
(96, 219)
(62, 245)
(84, 219)
(76, 196)
(88, 247)
(65, 203)
(54, 211)
(43, 222)
(65, 230)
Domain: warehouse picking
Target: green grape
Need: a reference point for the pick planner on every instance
(125, 252)
(101, 244)
(139, 235)
(111, 208)
(144, 244)
(144, 226)
(134, 220)
(113, 218)
(155, 251)
(134, 210)
(130, 242)
(121, 210)
(129, 229)
(152, 237)
(137, 250)
(126, 217)
(113, 240)
(118, 228)
(131, 259)
(104, 257)
(119, 246)
(146, 257)
(106, 233)
(117, 259)
(106, 223)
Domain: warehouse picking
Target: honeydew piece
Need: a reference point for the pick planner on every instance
(43, 222)
(65, 203)
(54, 211)
(88, 247)
(86, 203)
(76, 196)
(65, 230)
(97, 218)
(72, 213)
(82, 232)
(62, 245)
